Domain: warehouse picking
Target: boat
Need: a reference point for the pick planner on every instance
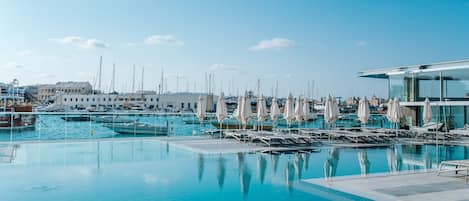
(82, 117)
(24, 119)
(111, 119)
(138, 128)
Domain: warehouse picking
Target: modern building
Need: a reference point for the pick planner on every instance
(171, 101)
(48, 92)
(446, 84)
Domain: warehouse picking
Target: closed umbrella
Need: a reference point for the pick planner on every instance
(274, 110)
(328, 110)
(200, 110)
(306, 110)
(363, 111)
(396, 114)
(245, 110)
(221, 111)
(427, 111)
(288, 110)
(261, 110)
(389, 112)
(237, 111)
(299, 111)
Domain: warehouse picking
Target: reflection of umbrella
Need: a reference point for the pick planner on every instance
(240, 158)
(288, 110)
(427, 111)
(221, 172)
(298, 165)
(289, 175)
(274, 110)
(330, 165)
(274, 158)
(306, 159)
(245, 179)
(261, 110)
(200, 162)
(299, 110)
(364, 162)
(394, 161)
(363, 112)
(261, 166)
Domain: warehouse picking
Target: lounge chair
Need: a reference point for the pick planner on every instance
(459, 165)
(429, 128)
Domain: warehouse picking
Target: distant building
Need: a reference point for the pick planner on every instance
(352, 101)
(48, 92)
(175, 101)
(374, 101)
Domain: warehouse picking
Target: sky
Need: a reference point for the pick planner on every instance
(290, 42)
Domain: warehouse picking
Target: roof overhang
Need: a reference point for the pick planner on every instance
(415, 69)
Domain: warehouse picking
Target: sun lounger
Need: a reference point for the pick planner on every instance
(459, 165)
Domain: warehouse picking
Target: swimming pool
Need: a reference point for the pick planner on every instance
(151, 169)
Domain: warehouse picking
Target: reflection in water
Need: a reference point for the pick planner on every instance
(427, 160)
(298, 164)
(221, 171)
(394, 159)
(261, 166)
(200, 163)
(167, 148)
(244, 173)
(289, 175)
(306, 159)
(330, 165)
(274, 158)
(364, 162)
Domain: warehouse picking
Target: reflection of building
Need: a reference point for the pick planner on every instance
(445, 84)
(48, 92)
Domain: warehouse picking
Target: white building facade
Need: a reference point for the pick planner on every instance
(175, 101)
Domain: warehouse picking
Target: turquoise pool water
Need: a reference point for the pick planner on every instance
(147, 169)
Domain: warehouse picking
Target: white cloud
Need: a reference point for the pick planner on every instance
(11, 65)
(360, 43)
(130, 44)
(81, 42)
(24, 53)
(163, 39)
(224, 67)
(274, 43)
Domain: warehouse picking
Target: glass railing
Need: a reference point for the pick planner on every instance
(21, 126)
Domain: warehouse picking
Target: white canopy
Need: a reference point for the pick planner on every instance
(261, 109)
(396, 111)
(288, 110)
(200, 109)
(237, 111)
(306, 110)
(246, 110)
(299, 110)
(274, 110)
(221, 108)
(363, 111)
(389, 112)
(427, 111)
(328, 110)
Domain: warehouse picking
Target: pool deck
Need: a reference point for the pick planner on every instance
(424, 186)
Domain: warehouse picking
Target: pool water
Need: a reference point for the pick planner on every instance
(149, 169)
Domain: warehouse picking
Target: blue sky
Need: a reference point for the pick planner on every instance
(290, 41)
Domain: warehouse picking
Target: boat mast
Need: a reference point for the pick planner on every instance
(100, 72)
(133, 80)
(141, 86)
(113, 81)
